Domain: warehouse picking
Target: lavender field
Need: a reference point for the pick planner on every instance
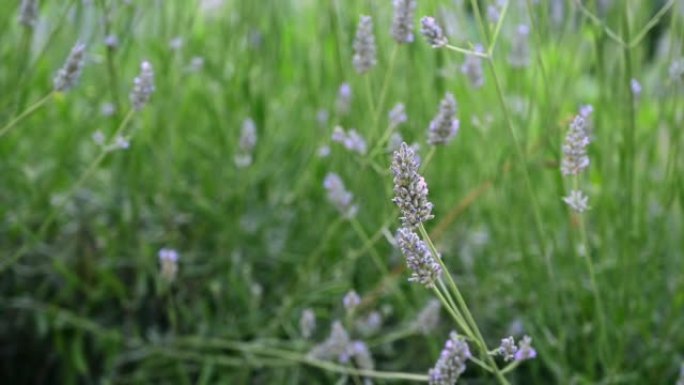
(342, 192)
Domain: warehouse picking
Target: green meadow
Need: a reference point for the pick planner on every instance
(212, 192)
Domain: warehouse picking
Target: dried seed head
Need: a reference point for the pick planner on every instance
(410, 189)
(444, 126)
(28, 13)
(424, 269)
(472, 68)
(402, 23)
(433, 32)
(67, 76)
(339, 196)
(451, 363)
(143, 86)
(364, 46)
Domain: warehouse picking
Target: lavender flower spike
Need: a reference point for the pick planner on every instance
(28, 13)
(507, 349)
(339, 196)
(143, 86)
(577, 201)
(444, 126)
(424, 269)
(364, 46)
(67, 77)
(472, 68)
(410, 189)
(575, 157)
(402, 23)
(433, 32)
(451, 363)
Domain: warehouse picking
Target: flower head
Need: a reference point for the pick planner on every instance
(507, 348)
(143, 86)
(28, 13)
(364, 46)
(424, 268)
(351, 140)
(307, 323)
(451, 363)
(169, 264)
(525, 350)
(67, 77)
(351, 300)
(577, 201)
(472, 68)
(402, 23)
(339, 196)
(397, 115)
(247, 143)
(444, 126)
(433, 32)
(428, 318)
(344, 96)
(575, 157)
(520, 53)
(410, 188)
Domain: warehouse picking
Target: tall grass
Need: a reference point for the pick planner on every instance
(84, 297)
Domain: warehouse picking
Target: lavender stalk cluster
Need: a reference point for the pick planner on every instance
(339, 196)
(248, 140)
(433, 32)
(472, 68)
(365, 57)
(451, 363)
(143, 86)
(67, 76)
(351, 300)
(424, 268)
(444, 126)
(402, 23)
(519, 56)
(28, 13)
(351, 140)
(410, 188)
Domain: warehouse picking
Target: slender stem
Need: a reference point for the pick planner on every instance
(497, 30)
(453, 311)
(30, 110)
(463, 306)
(428, 157)
(381, 103)
(301, 358)
(369, 95)
(466, 51)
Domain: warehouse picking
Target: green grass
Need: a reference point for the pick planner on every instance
(81, 296)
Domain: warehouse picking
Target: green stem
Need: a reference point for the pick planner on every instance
(463, 306)
(30, 110)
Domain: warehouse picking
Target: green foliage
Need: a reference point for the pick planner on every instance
(81, 295)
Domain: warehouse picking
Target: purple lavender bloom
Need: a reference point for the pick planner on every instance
(444, 126)
(451, 363)
(410, 189)
(424, 269)
(433, 32)
(364, 46)
(525, 350)
(402, 23)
